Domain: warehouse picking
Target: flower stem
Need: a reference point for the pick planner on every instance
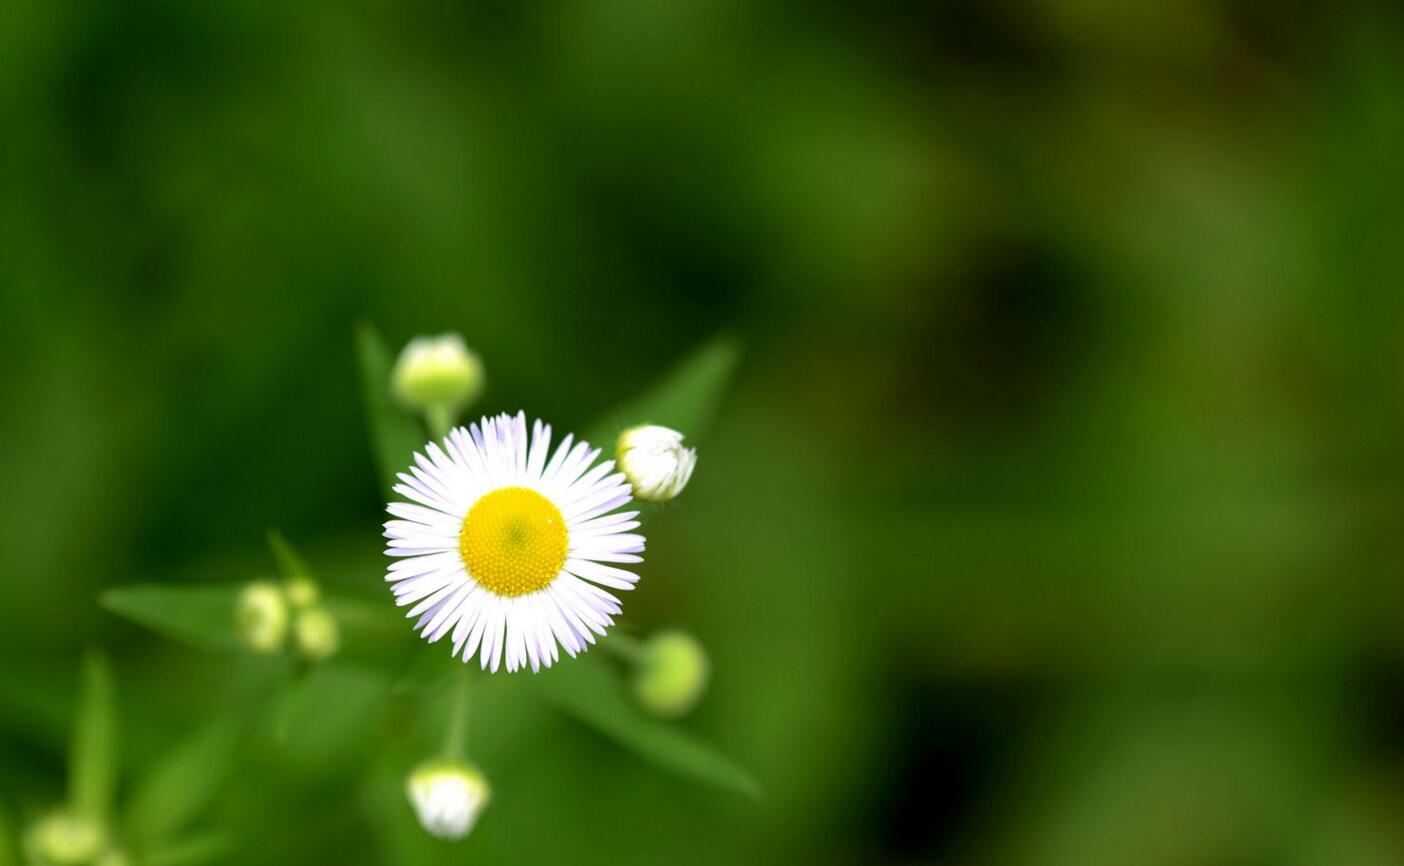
(625, 647)
(438, 417)
(456, 734)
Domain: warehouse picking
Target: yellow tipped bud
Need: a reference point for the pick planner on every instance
(447, 796)
(316, 634)
(437, 372)
(655, 462)
(65, 839)
(261, 617)
(672, 674)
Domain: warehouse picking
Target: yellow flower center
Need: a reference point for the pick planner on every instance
(513, 541)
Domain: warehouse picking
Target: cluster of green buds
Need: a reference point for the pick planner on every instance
(270, 615)
(87, 828)
(67, 838)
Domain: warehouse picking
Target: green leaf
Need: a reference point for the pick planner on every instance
(291, 564)
(93, 755)
(329, 712)
(201, 615)
(180, 785)
(395, 435)
(9, 851)
(586, 689)
(190, 852)
(686, 399)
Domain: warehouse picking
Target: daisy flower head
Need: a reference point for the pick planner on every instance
(509, 547)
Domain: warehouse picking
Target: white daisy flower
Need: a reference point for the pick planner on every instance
(507, 550)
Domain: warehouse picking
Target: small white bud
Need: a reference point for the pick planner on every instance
(437, 372)
(655, 462)
(65, 839)
(262, 617)
(447, 796)
(316, 633)
(672, 674)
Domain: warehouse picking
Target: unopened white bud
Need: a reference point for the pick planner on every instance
(316, 633)
(672, 673)
(262, 617)
(65, 839)
(655, 462)
(435, 372)
(447, 796)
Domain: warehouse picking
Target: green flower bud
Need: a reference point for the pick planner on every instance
(672, 673)
(262, 617)
(65, 839)
(437, 372)
(447, 796)
(302, 592)
(316, 634)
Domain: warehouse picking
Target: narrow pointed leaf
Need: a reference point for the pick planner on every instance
(180, 786)
(586, 689)
(686, 399)
(395, 435)
(93, 754)
(200, 615)
(291, 564)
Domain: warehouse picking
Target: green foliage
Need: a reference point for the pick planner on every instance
(194, 851)
(93, 754)
(180, 785)
(394, 434)
(291, 564)
(8, 842)
(586, 689)
(685, 399)
(197, 614)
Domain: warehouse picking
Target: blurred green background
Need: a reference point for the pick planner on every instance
(1054, 517)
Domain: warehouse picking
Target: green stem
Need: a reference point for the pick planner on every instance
(438, 417)
(456, 734)
(625, 647)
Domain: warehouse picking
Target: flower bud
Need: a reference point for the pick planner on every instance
(262, 617)
(316, 634)
(447, 796)
(302, 592)
(655, 462)
(437, 372)
(65, 839)
(672, 673)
